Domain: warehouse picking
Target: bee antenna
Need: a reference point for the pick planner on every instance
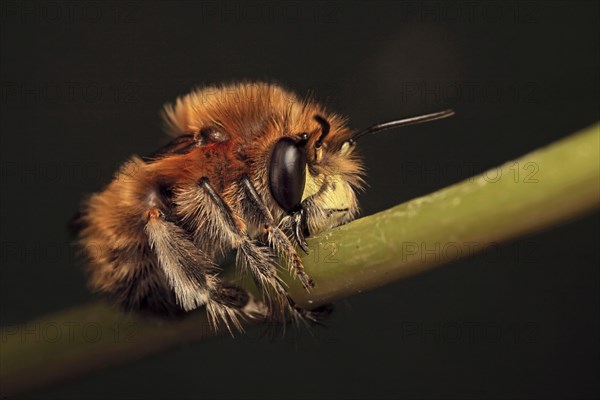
(401, 122)
(325, 127)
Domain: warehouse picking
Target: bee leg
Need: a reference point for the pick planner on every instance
(216, 226)
(191, 273)
(256, 210)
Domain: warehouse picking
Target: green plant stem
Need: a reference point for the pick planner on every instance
(539, 190)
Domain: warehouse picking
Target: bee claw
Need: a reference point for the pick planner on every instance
(298, 221)
(303, 245)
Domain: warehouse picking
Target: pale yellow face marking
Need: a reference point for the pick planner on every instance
(312, 185)
(337, 196)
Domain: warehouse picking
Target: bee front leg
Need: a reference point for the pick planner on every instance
(191, 273)
(256, 210)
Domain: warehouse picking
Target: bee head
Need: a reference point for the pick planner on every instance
(317, 174)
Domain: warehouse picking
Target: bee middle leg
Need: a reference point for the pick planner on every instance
(216, 226)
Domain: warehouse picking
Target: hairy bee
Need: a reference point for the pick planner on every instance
(251, 168)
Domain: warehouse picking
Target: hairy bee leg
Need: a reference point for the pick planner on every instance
(258, 259)
(257, 211)
(191, 273)
(227, 231)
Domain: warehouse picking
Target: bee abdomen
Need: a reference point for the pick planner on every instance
(122, 265)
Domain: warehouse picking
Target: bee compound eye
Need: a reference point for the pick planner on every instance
(287, 173)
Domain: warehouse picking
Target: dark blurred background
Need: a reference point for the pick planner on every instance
(81, 87)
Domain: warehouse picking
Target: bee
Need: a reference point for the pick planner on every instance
(251, 168)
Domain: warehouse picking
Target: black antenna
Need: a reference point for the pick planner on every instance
(402, 122)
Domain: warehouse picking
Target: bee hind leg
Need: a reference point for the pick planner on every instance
(191, 273)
